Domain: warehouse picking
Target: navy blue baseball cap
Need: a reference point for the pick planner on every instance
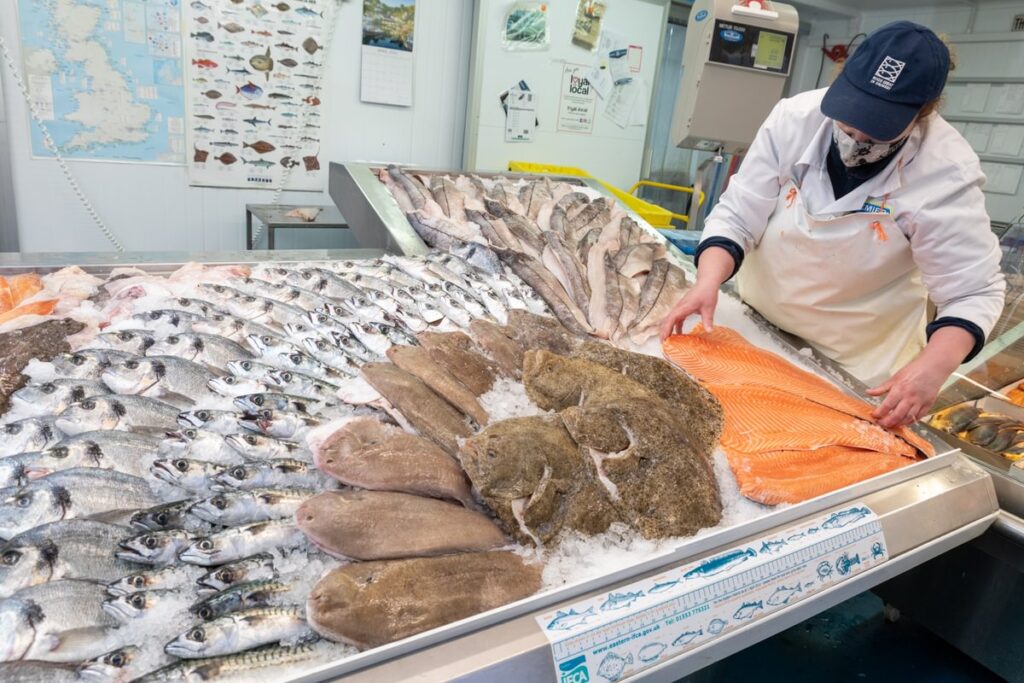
(897, 70)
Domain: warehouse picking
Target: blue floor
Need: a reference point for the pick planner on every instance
(850, 642)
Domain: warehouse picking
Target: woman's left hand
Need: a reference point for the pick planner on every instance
(909, 393)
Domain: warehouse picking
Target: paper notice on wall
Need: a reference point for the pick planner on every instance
(520, 115)
(619, 105)
(577, 104)
(636, 58)
(1007, 140)
(618, 66)
(387, 52)
(1002, 178)
(1011, 100)
(977, 135)
(975, 98)
(600, 80)
(586, 31)
(638, 117)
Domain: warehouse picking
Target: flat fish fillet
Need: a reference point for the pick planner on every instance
(725, 357)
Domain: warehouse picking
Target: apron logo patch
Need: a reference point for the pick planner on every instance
(873, 206)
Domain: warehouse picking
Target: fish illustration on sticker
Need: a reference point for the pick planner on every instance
(204, 36)
(250, 90)
(259, 163)
(311, 46)
(771, 547)
(649, 653)
(312, 163)
(260, 146)
(824, 570)
(783, 594)
(200, 155)
(231, 27)
(565, 621)
(687, 637)
(717, 565)
(263, 63)
(620, 600)
(877, 550)
(747, 610)
(717, 626)
(612, 666)
(213, 94)
(258, 10)
(306, 12)
(663, 586)
(227, 158)
(204, 63)
(845, 563)
(288, 62)
(840, 519)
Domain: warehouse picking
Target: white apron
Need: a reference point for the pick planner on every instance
(847, 285)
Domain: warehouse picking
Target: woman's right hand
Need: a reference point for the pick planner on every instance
(701, 299)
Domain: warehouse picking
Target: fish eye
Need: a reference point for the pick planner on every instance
(295, 358)
(191, 433)
(173, 339)
(155, 315)
(205, 612)
(183, 302)
(47, 388)
(219, 502)
(258, 400)
(137, 601)
(137, 581)
(149, 542)
(117, 659)
(225, 576)
(286, 376)
(58, 452)
(229, 380)
(160, 518)
(250, 439)
(131, 364)
(77, 359)
(321, 318)
(219, 289)
(13, 428)
(125, 336)
(88, 404)
(23, 501)
(238, 473)
(205, 544)
(267, 339)
(246, 365)
(10, 558)
(203, 415)
(181, 465)
(197, 634)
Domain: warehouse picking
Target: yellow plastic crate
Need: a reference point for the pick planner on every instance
(652, 213)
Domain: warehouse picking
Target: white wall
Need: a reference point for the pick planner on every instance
(153, 208)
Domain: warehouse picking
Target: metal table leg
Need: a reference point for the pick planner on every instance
(248, 230)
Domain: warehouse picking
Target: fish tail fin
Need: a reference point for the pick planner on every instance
(237, 90)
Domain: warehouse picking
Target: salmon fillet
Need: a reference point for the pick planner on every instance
(35, 308)
(24, 286)
(789, 435)
(6, 299)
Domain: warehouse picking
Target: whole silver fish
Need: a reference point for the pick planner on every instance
(275, 401)
(88, 363)
(301, 384)
(160, 376)
(166, 318)
(130, 341)
(58, 621)
(197, 444)
(228, 326)
(219, 421)
(332, 356)
(30, 434)
(232, 386)
(259, 447)
(347, 342)
(206, 349)
(14, 469)
(255, 568)
(242, 541)
(281, 424)
(124, 452)
(121, 665)
(251, 665)
(220, 294)
(173, 515)
(264, 311)
(235, 508)
(267, 345)
(250, 369)
(125, 413)
(155, 547)
(74, 493)
(164, 578)
(242, 596)
(240, 631)
(34, 672)
(191, 475)
(50, 398)
(280, 472)
(300, 362)
(69, 549)
(198, 306)
(146, 604)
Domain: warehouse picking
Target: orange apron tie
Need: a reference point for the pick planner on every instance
(879, 231)
(791, 198)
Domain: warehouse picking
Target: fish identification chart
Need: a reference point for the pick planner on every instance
(616, 634)
(253, 88)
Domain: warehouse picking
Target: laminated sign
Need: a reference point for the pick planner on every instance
(616, 634)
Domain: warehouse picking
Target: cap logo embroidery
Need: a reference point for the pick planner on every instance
(887, 73)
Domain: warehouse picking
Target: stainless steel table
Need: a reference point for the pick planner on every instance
(274, 217)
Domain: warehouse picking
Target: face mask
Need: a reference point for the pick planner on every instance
(855, 153)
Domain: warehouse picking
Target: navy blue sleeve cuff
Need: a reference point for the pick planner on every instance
(976, 332)
(734, 249)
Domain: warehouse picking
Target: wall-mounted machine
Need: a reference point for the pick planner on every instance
(737, 58)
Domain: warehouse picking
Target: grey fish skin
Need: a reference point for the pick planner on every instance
(88, 363)
(228, 326)
(272, 473)
(118, 666)
(196, 444)
(154, 320)
(164, 578)
(280, 424)
(257, 567)
(50, 398)
(218, 421)
(124, 452)
(158, 376)
(259, 447)
(331, 356)
(264, 311)
(206, 349)
(14, 468)
(174, 515)
(255, 402)
(78, 492)
(242, 596)
(131, 341)
(191, 475)
(198, 306)
(235, 508)
(129, 413)
(34, 672)
(230, 666)
(251, 369)
(30, 434)
(240, 631)
(243, 541)
(35, 618)
(301, 384)
(68, 549)
(155, 547)
(142, 604)
(651, 290)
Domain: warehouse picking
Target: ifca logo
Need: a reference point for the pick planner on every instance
(887, 73)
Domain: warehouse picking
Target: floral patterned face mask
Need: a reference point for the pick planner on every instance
(855, 153)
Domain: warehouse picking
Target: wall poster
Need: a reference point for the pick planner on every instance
(577, 104)
(387, 52)
(254, 72)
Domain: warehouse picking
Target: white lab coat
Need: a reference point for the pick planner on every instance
(931, 193)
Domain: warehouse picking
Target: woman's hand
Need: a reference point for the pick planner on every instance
(702, 299)
(911, 392)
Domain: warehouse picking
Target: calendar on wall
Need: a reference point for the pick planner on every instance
(387, 52)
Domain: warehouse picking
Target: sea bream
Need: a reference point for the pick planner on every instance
(30, 434)
(78, 492)
(209, 350)
(254, 447)
(120, 666)
(191, 475)
(50, 398)
(124, 452)
(151, 604)
(174, 379)
(155, 547)
(128, 413)
(88, 363)
(129, 341)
